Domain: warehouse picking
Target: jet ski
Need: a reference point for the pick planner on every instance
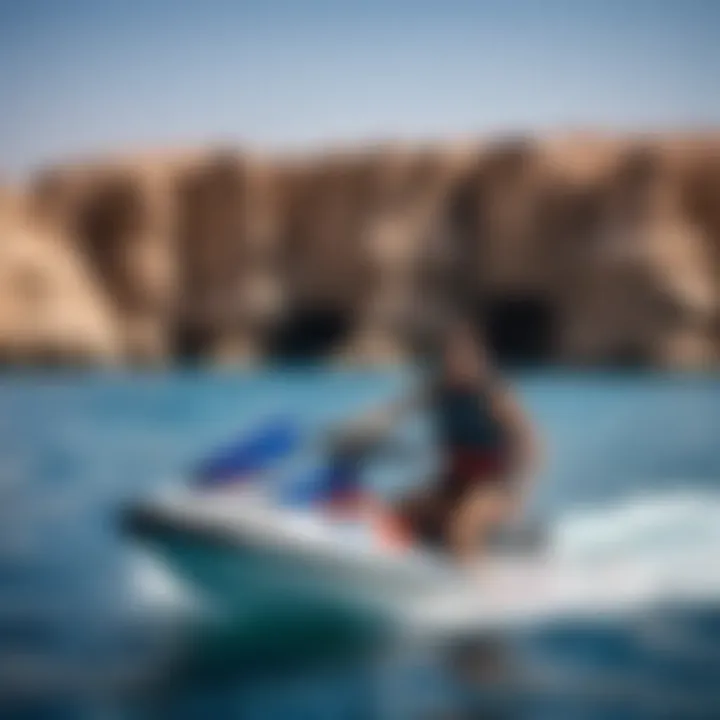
(311, 551)
(244, 552)
(258, 547)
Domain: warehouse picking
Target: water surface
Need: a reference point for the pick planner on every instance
(74, 641)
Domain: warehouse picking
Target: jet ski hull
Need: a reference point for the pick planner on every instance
(255, 561)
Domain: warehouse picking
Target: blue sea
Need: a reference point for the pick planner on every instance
(633, 470)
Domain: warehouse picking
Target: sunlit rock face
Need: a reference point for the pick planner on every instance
(645, 283)
(121, 217)
(572, 249)
(228, 231)
(51, 308)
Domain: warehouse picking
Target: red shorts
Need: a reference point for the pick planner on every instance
(426, 516)
(468, 466)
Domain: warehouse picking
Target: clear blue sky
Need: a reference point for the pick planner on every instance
(79, 77)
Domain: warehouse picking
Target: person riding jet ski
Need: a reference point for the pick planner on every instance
(488, 449)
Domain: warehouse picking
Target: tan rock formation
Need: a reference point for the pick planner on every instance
(121, 220)
(580, 248)
(50, 308)
(643, 287)
(229, 228)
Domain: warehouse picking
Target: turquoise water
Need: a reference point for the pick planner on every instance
(74, 642)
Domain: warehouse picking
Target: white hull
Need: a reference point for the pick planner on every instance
(249, 556)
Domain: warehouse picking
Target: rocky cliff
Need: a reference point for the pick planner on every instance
(578, 250)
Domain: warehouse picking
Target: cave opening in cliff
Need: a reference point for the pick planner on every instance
(520, 330)
(628, 356)
(310, 333)
(191, 343)
(112, 215)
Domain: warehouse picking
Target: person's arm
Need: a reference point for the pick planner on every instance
(375, 425)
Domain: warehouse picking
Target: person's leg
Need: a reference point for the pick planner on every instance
(421, 512)
(480, 511)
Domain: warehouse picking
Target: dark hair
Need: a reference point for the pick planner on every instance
(453, 327)
(462, 326)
